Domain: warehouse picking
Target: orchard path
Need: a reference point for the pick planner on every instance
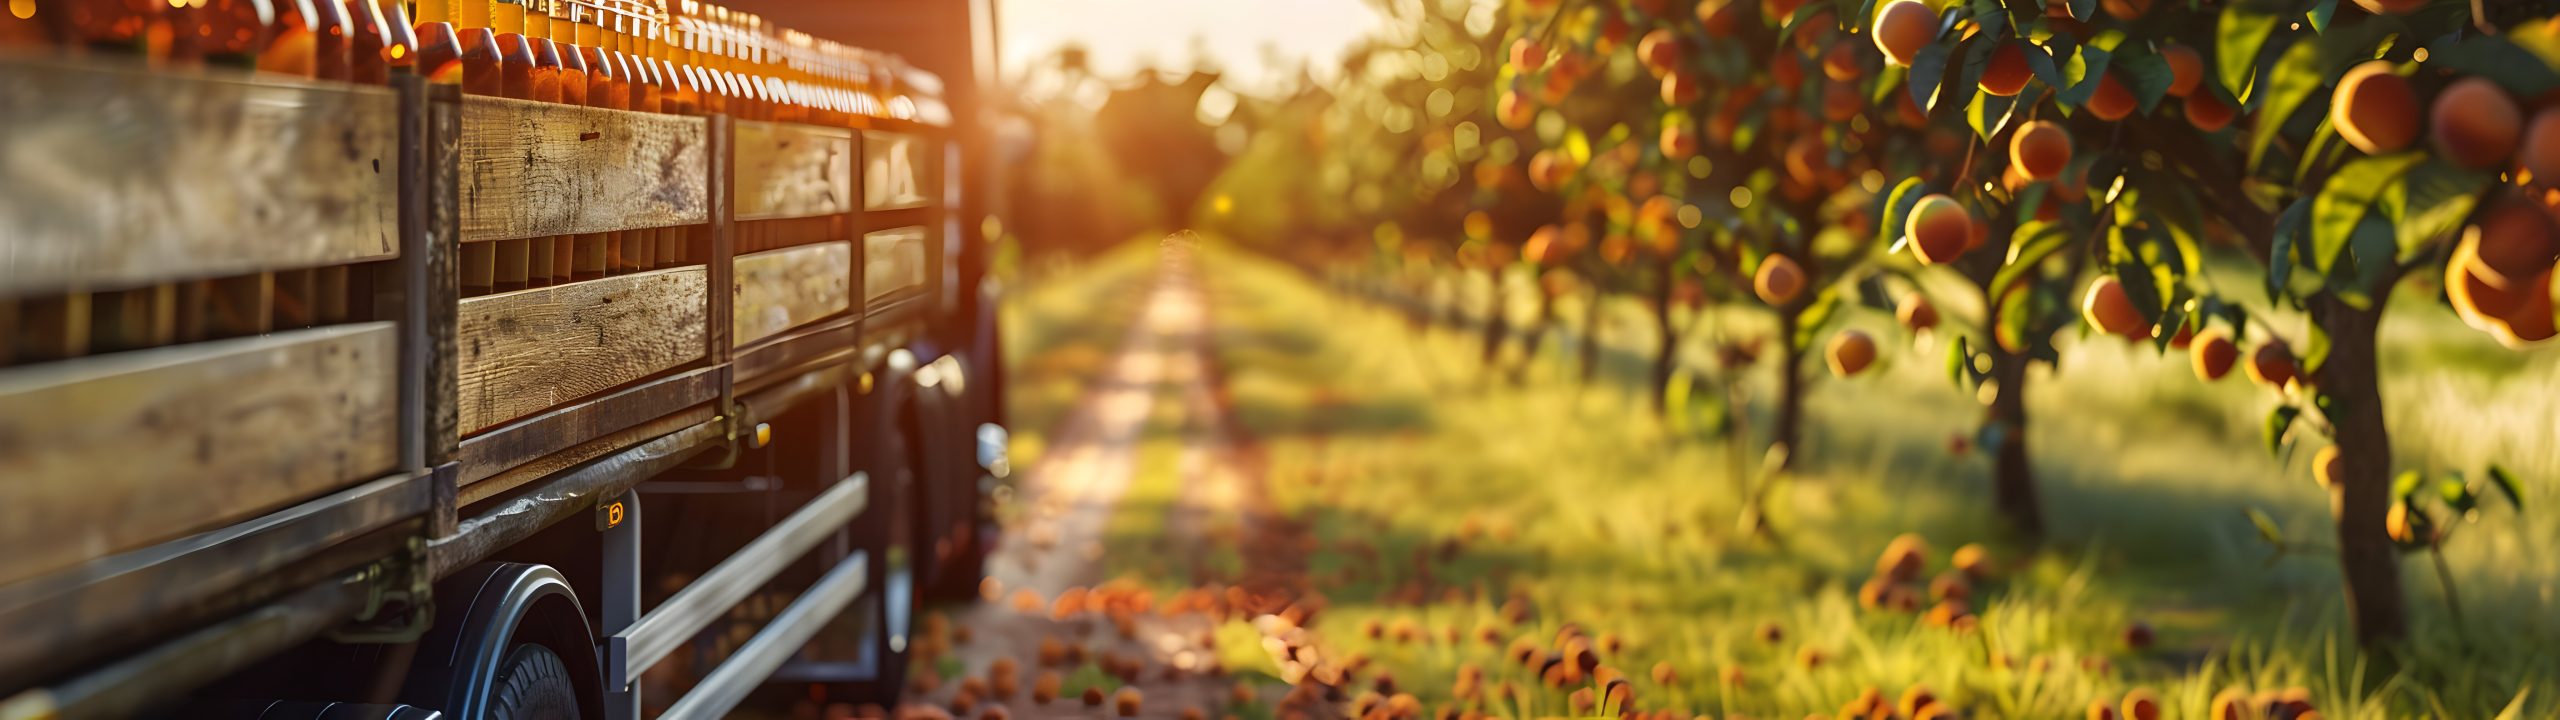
(1054, 546)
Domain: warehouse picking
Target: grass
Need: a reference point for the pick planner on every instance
(1435, 494)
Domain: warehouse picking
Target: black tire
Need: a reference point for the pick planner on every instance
(533, 683)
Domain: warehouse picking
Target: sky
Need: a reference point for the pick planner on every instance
(1125, 35)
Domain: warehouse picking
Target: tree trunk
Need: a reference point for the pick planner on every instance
(1536, 336)
(1666, 353)
(1497, 324)
(2362, 498)
(2013, 481)
(1591, 338)
(1790, 427)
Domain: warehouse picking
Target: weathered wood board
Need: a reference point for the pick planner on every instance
(523, 352)
(114, 177)
(893, 263)
(787, 170)
(782, 289)
(120, 451)
(897, 171)
(533, 169)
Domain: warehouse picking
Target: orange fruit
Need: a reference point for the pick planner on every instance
(1528, 56)
(1940, 229)
(2541, 149)
(1915, 312)
(2112, 101)
(2513, 240)
(1841, 61)
(1851, 352)
(2374, 108)
(1681, 88)
(1779, 280)
(2040, 150)
(2142, 704)
(2327, 465)
(1903, 27)
(2007, 72)
(2208, 112)
(2213, 353)
(2110, 310)
(2186, 68)
(2272, 364)
(1660, 50)
(2475, 124)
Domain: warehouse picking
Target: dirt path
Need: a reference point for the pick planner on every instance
(1050, 608)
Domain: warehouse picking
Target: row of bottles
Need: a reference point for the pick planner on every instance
(659, 56)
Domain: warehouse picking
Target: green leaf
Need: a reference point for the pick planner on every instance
(2084, 9)
(2407, 484)
(1675, 398)
(2292, 80)
(2266, 525)
(2279, 421)
(1897, 211)
(1927, 68)
(2321, 13)
(2315, 351)
(1989, 113)
(1990, 15)
(2146, 74)
(2028, 247)
(2014, 316)
(2506, 484)
(2241, 33)
(1809, 322)
(2429, 203)
(2457, 494)
(2288, 231)
(1804, 13)
(2084, 72)
(2344, 201)
(1959, 359)
(2520, 72)
(2040, 61)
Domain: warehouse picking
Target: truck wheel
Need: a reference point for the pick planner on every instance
(533, 683)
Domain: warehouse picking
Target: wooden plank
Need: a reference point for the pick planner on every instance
(782, 289)
(521, 353)
(522, 441)
(897, 171)
(531, 169)
(116, 452)
(118, 178)
(893, 263)
(788, 170)
(607, 444)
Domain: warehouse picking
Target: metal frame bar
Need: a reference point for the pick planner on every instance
(622, 597)
(768, 650)
(514, 519)
(632, 650)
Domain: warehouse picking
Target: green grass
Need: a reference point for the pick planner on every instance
(1435, 493)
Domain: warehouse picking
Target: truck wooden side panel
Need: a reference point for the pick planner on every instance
(533, 169)
(119, 177)
(524, 352)
(782, 289)
(120, 451)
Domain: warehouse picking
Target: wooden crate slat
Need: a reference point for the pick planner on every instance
(783, 289)
(119, 178)
(521, 353)
(787, 170)
(893, 263)
(897, 171)
(119, 451)
(533, 169)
